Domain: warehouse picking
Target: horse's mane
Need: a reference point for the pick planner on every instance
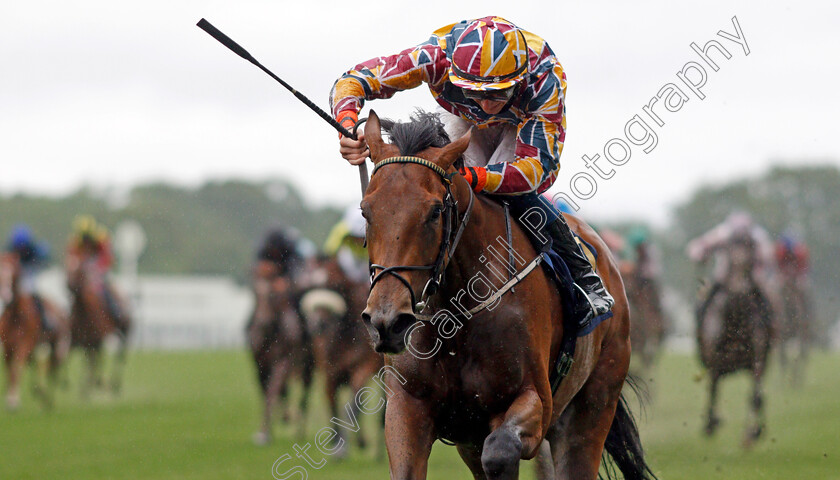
(424, 130)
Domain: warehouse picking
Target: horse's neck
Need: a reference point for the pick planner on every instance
(482, 257)
(12, 283)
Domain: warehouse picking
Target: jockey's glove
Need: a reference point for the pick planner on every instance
(475, 176)
(347, 119)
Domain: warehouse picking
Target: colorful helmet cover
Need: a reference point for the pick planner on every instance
(490, 54)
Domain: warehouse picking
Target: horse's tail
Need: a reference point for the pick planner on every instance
(623, 444)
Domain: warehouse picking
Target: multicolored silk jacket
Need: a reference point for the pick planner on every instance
(537, 108)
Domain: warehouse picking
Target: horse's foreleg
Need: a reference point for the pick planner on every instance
(276, 380)
(471, 455)
(331, 391)
(94, 378)
(358, 379)
(544, 463)
(517, 435)
(119, 364)
(306, 378)
(14, 368)
(409, 435)
(712, 420)
(755, 423)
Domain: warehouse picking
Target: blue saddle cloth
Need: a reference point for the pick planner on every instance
(571, 297)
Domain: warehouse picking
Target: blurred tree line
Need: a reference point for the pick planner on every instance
(213, 229)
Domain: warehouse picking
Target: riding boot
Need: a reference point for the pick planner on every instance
(112, 306)
(584, 276)
(46, 324)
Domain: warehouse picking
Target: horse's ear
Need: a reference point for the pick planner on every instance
(454, 150)
(373, 137)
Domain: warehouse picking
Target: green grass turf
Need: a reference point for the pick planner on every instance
(190, 415)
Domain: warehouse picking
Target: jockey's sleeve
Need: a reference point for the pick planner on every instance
(539, 139)
(382, 77)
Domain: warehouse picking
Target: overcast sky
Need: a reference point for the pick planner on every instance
(117, 93)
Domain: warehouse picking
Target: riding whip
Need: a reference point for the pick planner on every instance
(237, 49)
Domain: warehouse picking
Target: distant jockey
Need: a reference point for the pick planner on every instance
(282, 257)
(286, 249)
(644, 254)
(33, 256)
(793, 258)
(738, 225)
(738, 228)
(346, 241)
(91, 243)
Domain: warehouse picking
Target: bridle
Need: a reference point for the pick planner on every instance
(447, 247)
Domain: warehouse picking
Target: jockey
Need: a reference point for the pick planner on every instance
(346, 241)
(792, 257)
(33, 256)
(91, 242)
(286, 251)
(715, 241)
(645, 255)
(738, 227)
(490, 74)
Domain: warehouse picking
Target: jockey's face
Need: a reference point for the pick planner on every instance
(491, 101)
(492, 107)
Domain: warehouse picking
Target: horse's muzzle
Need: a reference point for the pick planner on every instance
(387, 330)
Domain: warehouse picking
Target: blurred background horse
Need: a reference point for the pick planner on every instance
(277, 338)
(640, 269)
(735, 317)
(795, 322)
(97, 311)
(24, 324)
(333, 309)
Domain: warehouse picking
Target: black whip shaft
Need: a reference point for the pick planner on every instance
(237, 49)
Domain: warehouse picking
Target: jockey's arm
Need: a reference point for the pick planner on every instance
(382, 77)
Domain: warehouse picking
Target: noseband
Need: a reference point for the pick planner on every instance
(447, 247)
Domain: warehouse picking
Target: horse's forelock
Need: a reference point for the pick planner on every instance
(422, 131)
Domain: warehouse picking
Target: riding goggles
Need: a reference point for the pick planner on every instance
(502, 95)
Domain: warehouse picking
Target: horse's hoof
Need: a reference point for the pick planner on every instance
(261, 439)
(752, 435)
(342, 451)
(12, 403)
(711, 426)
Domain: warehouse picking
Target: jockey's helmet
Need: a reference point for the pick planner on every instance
(20, 237)
(85, 228)
(490, 54)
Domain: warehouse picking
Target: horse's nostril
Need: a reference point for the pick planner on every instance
(402, 323)
(366, 318)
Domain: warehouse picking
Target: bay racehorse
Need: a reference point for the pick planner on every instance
(795, 324)
(22, 330)
(734, 332)
(332, 308)
(483, 382)
(279, 344)
(92, 321)
(647, 331)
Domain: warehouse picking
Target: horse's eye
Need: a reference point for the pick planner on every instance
(435, 213)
